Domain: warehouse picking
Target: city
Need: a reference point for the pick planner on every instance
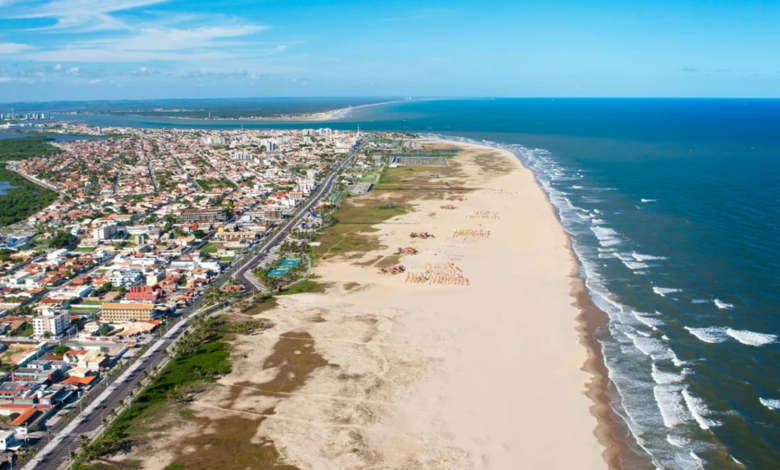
(150, 228)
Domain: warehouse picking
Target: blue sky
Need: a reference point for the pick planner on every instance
(133, 49)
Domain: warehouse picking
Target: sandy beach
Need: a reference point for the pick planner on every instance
(383, 373)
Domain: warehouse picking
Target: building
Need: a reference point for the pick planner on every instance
(120, 313)
(249, 235)
(54, 322)
(273, 215)
(7, 440)
(126, 277)
(206, 215)
(143, 293)
(105, 232)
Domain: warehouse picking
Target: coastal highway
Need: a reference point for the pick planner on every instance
(65, 435)
(242, 272)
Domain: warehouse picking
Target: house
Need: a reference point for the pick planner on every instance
(170, 283)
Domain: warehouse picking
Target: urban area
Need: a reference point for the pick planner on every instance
(118, 242)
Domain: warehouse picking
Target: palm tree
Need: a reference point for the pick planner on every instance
(83, 441)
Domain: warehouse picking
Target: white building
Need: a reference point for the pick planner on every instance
(7, 440)
(54, 322)
(126, 277)
(71, 292)
(105, 232)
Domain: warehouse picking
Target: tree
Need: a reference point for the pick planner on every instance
(62, 239)
(84, 442)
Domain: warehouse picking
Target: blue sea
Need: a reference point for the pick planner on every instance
(672, 209)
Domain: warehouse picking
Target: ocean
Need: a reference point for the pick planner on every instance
(672, 209)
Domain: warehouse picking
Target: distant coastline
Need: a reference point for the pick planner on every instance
(331, 115)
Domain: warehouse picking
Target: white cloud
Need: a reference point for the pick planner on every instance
(109, 56)
(173, 39)
(57, 67)
(84, 15)
(13, 47)
(205, 43)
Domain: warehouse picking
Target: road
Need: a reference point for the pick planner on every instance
(65, 436)
(242, 273)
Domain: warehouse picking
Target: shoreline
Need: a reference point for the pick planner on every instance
(590, 320)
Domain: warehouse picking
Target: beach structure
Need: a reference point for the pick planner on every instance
(395, 269)
(423, 235)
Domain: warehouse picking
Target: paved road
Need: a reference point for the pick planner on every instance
(243, 273)
(64, 436)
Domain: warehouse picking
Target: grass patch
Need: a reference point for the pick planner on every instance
(208, 185)
(218, 445)
(210, 248)
(264, 304)
(202, 356)
(84, 249)
(353, 232)
(175, 466)
(306, 287)
(391, 260)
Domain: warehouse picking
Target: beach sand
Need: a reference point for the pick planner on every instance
(382, 374)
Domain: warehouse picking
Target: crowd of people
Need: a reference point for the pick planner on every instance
(439, 273)
(470, 235)
(483, 215)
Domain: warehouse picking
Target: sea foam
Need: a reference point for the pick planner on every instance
(606, 236)
(641, 257)
(666, 378)
(710, 334)
(723, 305)
(751, 338)
(670, 403)
(634, 265)
(648, 320)
(662, 291)
(771, 403)
(698, 409)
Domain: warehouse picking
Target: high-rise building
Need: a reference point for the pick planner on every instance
(54, 322)
(105, 232)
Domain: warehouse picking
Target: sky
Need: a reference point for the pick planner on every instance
(147, 49)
